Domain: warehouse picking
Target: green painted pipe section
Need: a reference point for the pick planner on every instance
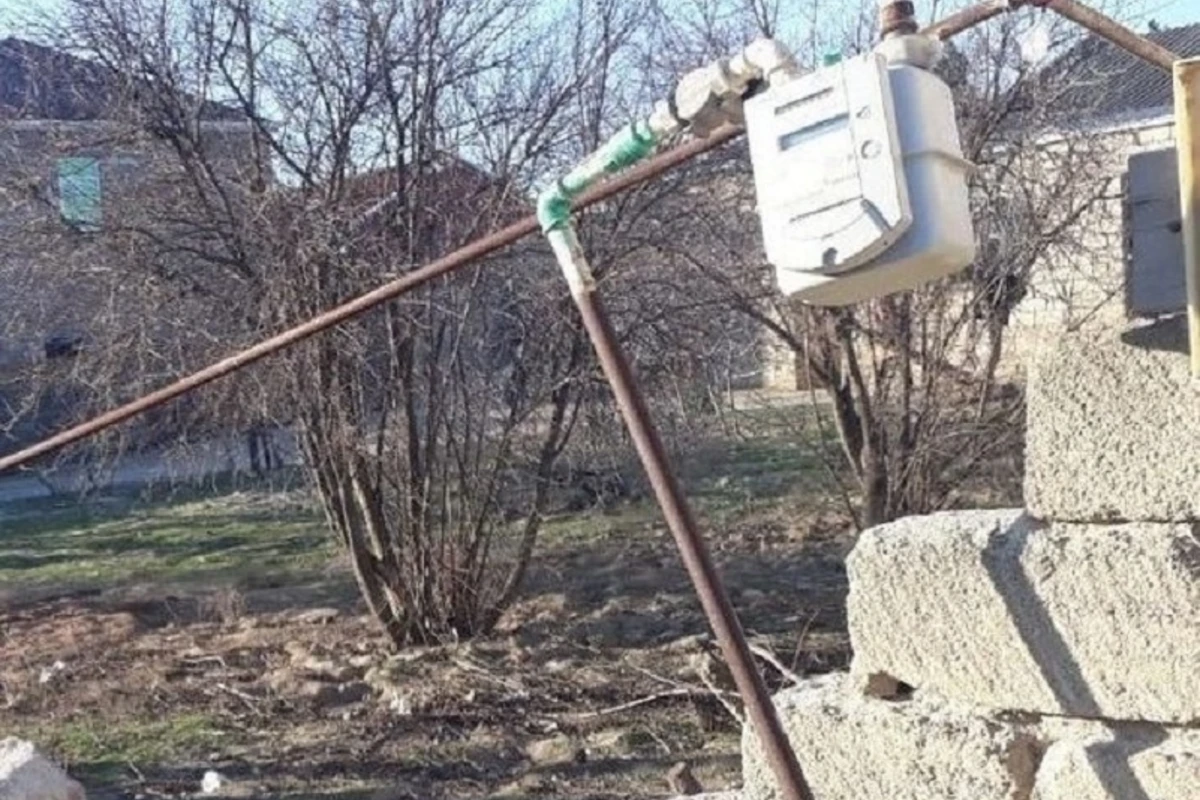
(627, 147)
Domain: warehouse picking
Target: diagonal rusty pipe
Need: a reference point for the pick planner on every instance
(1083, 15)
(693, 550)
(1108, 28)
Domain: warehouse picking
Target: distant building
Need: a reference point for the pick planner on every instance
(1126, 108)
(80, 169)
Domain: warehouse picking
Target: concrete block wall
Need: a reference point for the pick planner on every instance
(1048, 653)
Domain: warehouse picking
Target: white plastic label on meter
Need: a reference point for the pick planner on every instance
(827, 167)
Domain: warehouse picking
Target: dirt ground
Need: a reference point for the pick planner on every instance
(590, 689)
(596, 683)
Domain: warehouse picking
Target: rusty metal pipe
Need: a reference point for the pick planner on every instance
(1187, 138)
(696, 557)
(967, 18)
(1100, 24)
(897, 18)
(1108, 28)
(335, 316)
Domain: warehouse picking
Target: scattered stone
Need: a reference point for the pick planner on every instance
(51, 672)
(329, 695)
(27, 775)
(682, 781)
(212, 782)
(318, 616)
(326, 670)
(560, 749)
(997, 609)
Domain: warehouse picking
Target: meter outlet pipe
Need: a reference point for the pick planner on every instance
(703, 100)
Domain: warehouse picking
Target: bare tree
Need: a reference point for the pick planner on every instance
(369, 139)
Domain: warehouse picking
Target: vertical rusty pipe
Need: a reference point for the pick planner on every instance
(897, 18)
(692, 548)
(1187, 142)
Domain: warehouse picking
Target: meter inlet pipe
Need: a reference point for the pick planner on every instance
(554, 213)
(1100, 24)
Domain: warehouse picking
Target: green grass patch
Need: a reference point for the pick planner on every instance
(103, 749)
(724, 480)
(242, 538)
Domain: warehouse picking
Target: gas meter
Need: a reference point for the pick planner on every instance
(860, 178)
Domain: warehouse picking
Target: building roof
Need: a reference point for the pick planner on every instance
(41, 83)
(1115, 87)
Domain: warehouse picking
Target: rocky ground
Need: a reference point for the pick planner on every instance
(595, 684)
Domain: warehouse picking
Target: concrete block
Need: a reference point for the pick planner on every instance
(997, 609)
(26, 775)
(853, 747)
(1114, 428)
(1126, 764)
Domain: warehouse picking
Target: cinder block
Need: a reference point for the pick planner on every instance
(1114, 428)
(27, 775)
(853, 747)
(1129, 764)
(997, 609)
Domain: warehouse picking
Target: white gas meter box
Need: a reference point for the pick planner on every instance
(861, 182)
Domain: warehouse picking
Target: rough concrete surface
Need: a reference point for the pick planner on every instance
(1131, 765)
(1114, 428)
(997, 609)
(26, 775)
(857, 748)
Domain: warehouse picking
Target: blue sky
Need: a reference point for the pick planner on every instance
(1166, 12)
(1173, 12)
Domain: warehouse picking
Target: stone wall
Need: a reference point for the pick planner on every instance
(1046, 653)
(1082, 287)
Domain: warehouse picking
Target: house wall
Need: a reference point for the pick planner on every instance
(1083, 287)
(61, 283)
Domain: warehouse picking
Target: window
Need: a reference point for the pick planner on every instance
(79, 193)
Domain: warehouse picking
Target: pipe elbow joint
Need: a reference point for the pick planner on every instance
(553, 208)
(764, 58)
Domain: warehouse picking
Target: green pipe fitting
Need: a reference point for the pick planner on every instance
(554, 208)
(627, 147)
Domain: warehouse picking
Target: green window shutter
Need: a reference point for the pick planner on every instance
(79, 192)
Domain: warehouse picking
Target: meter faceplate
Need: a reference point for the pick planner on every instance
(827, 167)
